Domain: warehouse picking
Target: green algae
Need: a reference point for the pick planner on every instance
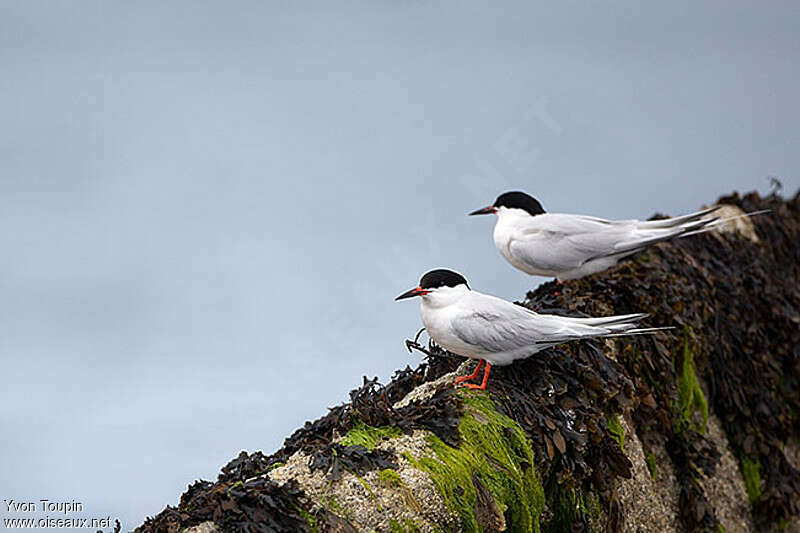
(273, 466)
(336, 508)
(389, 478)
(651, 465)
(406, 527)
(751, 472)
(369, 436)
(233, 486)
(313, 523)
(494, 451)
(567, 506)
(615, 428)
(691, 399)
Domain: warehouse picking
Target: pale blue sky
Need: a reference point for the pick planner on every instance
(207, 208)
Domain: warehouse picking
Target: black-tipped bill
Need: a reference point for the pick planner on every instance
(485, 211)
(416, 291)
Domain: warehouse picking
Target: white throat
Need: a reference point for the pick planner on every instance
(509, 214)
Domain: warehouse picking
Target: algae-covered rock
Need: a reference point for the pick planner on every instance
(490, 475)
(692, 429)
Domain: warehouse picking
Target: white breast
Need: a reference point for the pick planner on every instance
(437, 322)
(503, 231)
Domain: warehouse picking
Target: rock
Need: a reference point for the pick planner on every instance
(205, 527)
(428, 389)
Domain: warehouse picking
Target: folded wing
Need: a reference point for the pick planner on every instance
(499, 326)
(556, 242)
(560, 243)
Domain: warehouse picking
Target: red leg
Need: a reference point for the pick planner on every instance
(482, 386)
(462, 379)
(560, 283)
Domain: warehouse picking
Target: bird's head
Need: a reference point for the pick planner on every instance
(514, 200)
(438, 287)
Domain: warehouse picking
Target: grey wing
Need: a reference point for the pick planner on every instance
(565, 242)
(502, 327)
(493, 332)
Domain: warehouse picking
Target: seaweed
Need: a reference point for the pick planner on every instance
(257, 505)
(337, 459)
(245, 466)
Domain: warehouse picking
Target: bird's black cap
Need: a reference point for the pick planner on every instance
(520, 200)
(433, 280)
(441, 278)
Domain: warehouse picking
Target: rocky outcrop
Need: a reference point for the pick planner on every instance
(692, 429)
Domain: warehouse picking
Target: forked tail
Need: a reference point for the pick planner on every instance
(640, 331)
(720, 221)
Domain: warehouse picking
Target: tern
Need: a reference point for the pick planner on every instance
(496, 332)
(573, 246)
